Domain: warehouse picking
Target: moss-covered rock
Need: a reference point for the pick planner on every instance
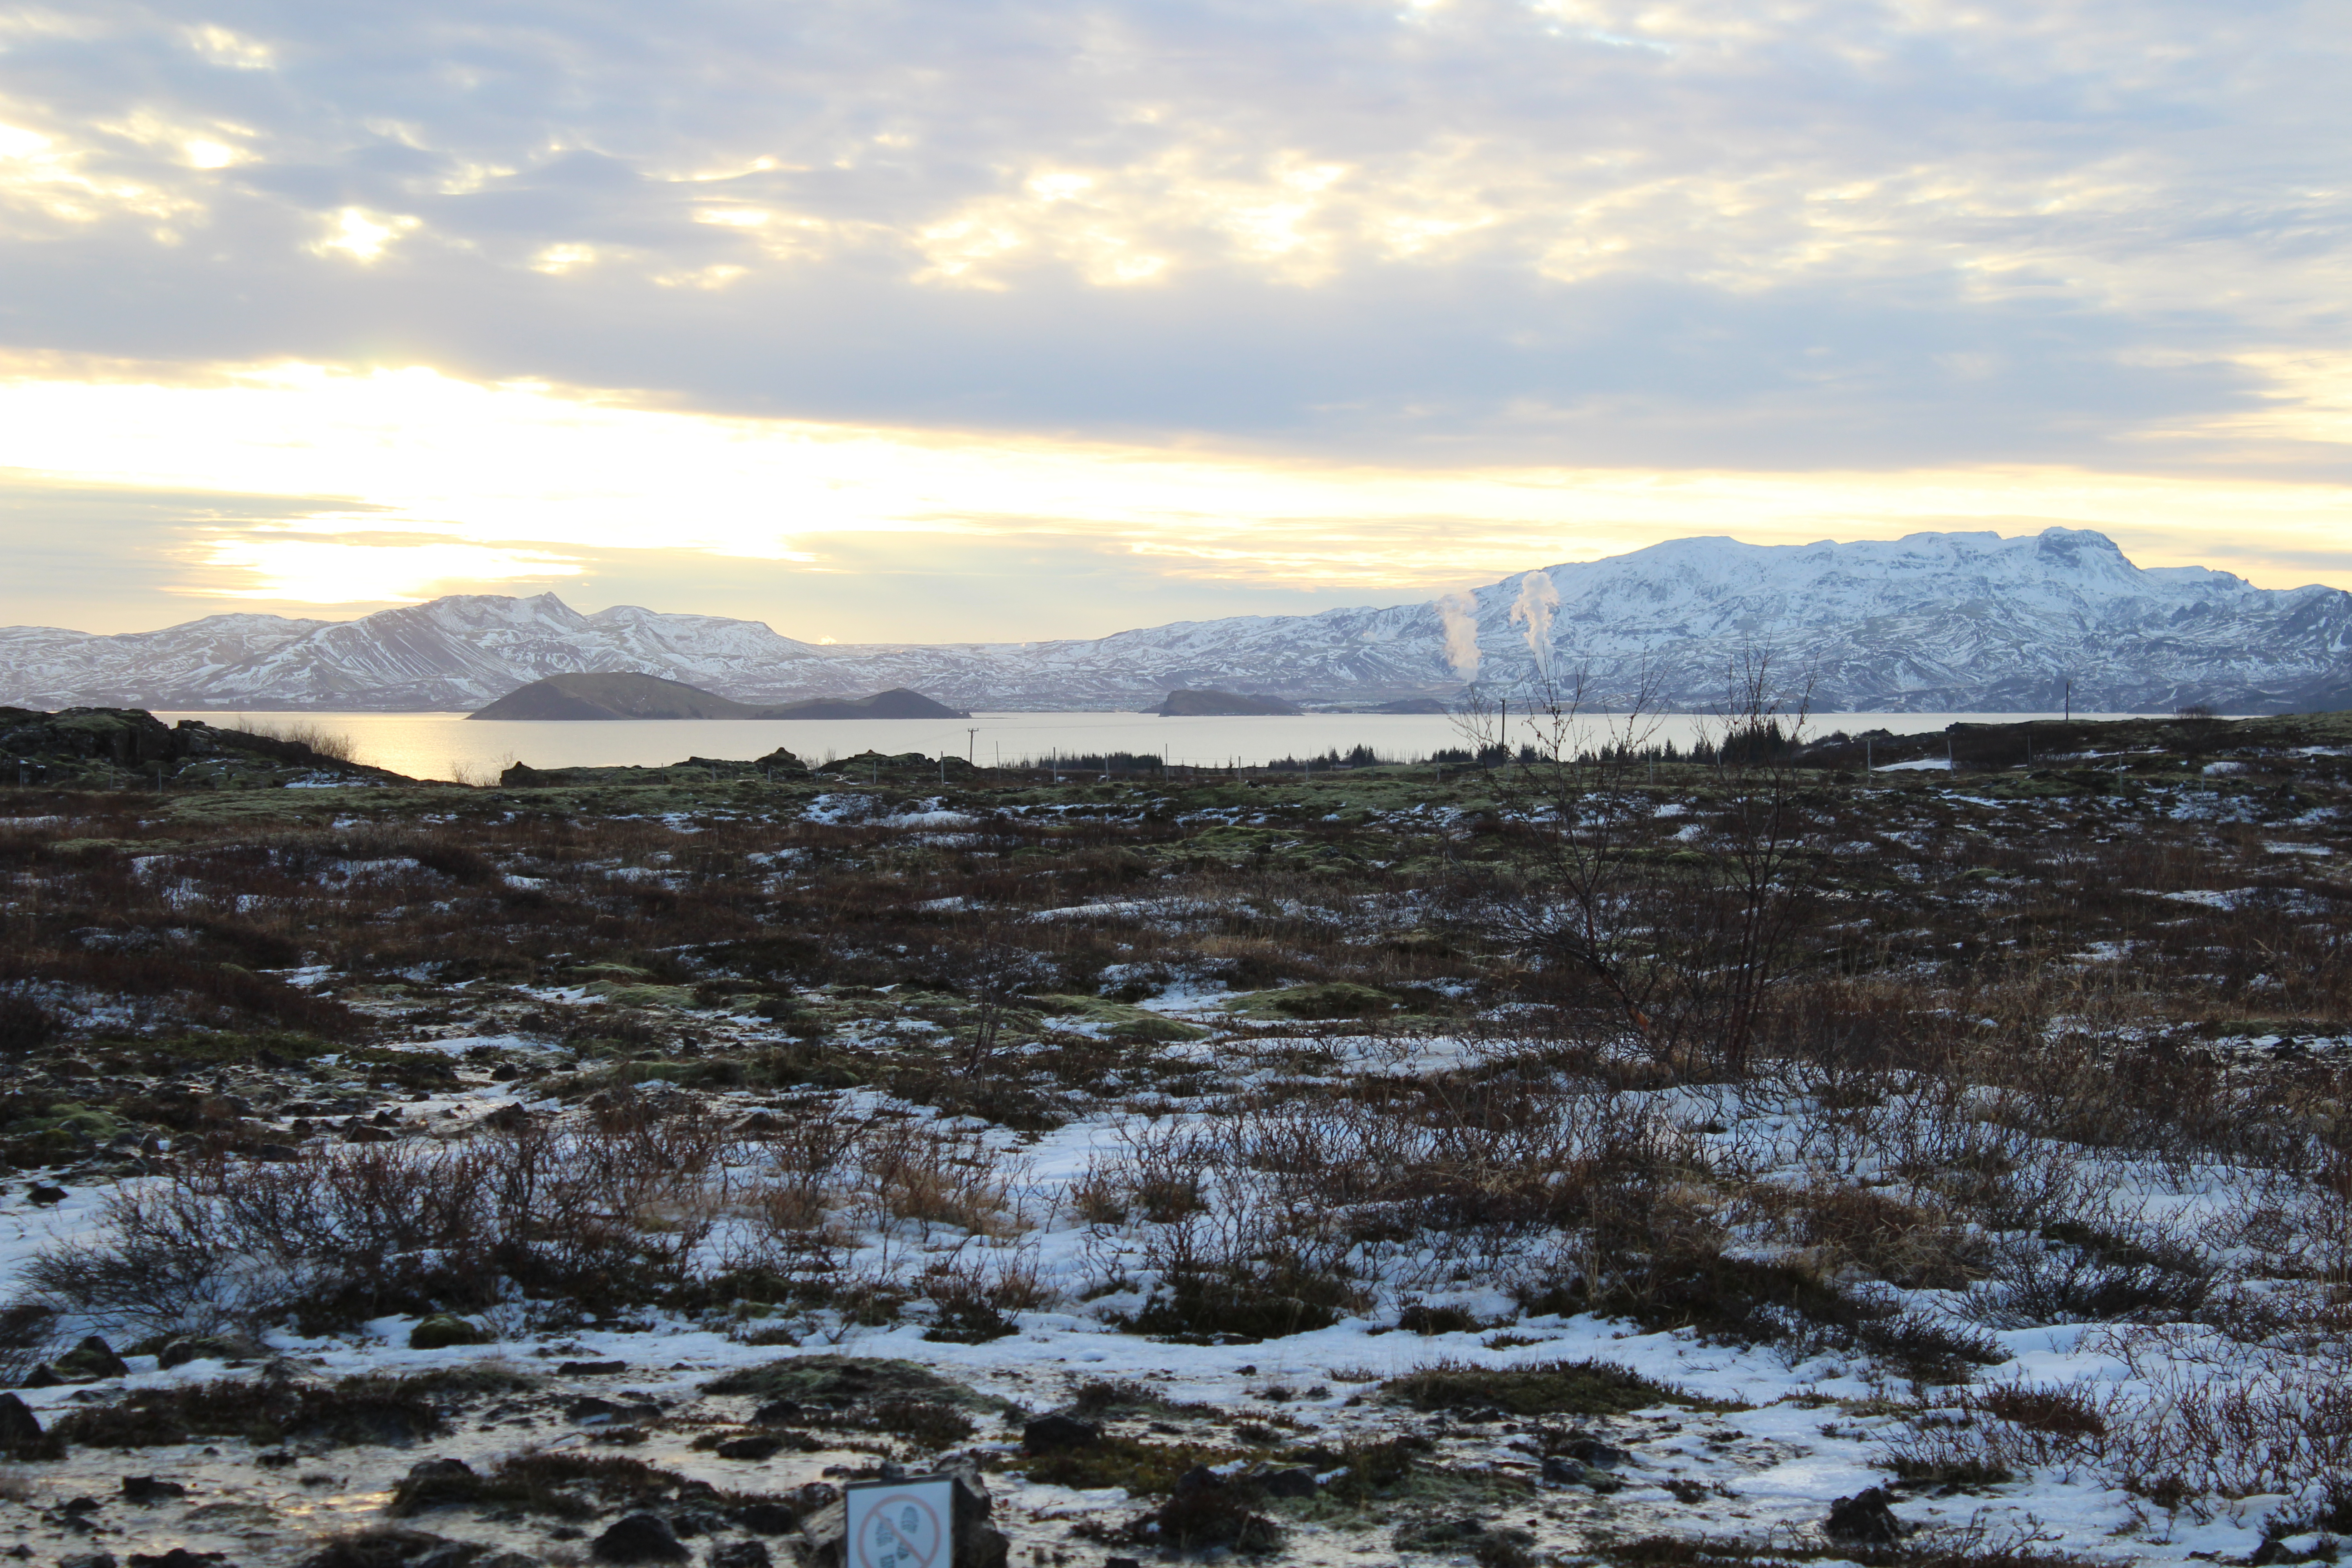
(444, 1330)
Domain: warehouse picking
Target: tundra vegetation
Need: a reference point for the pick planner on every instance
(1591, 1155)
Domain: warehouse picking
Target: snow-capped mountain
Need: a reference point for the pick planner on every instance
(1932, 622)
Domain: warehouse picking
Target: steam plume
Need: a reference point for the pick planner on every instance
(1538, 599)
(1459, 612)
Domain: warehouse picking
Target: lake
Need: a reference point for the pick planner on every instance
(451, 746)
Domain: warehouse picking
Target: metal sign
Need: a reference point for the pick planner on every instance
(902, 1524)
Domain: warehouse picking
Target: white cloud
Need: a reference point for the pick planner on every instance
(1784, 248)
(361, 234)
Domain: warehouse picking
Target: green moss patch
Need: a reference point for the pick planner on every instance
(1547, 1388)
(1331, 1000)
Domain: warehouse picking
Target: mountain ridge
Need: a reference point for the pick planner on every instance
(1930, 622)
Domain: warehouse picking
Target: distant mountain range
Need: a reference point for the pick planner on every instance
(1932, 622)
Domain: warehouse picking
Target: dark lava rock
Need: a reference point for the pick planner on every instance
(205, 1347)
(588, 1407)
(390, 1546)
(444, 1330)
(89, 1361)
(1456, 1535)
(41, 1376)
(449, 1554)
(742, 1554)
(18, 1425)
(88, 1560)
(591, 1368)
(178, 1557)
(758, 1448)
(1592, 1451)
(435, 1482)
(1867, 1518)
(147, 1489)
(41, 1196)
(1059, 1431)
(768, 1517)
(1562, 1471)
(640, 1538)
(1294, 1482)
(778, 1411)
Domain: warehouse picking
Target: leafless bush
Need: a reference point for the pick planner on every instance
(2185, 1437)
(1685, 942)
(596, 1218)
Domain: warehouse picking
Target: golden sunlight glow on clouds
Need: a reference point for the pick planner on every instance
(1253, 304)
(490, 485)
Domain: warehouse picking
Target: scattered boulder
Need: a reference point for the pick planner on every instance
(588, 1407)
(1294, 1482)
(205, 1347)
(40, 1195)
(1867, 1518)
(88, 1560)
(42, 1376)
(444, 1330)
(742, 1554)
(640, 1538)
(389, 1546)
(1207, 1512)
(1562, 1470)
(591, 1368)
(178, 1557)
(89, 1361)
(1057, 1431)
(147, 1489)
(759, 1446)
(434, 1483)
(1593, 1451)
(19, 1427)
(768, 1517)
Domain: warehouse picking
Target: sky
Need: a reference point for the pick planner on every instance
(982, 320)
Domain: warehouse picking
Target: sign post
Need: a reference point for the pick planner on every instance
(901, 1524)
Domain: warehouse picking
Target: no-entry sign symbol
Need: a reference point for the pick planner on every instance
(902, 1524)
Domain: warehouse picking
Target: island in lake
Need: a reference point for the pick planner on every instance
(1207, 703)
(616, 694)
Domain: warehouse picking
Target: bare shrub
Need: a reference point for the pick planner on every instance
(2283, 1429)
(607, 1215)
(916, 1174)
(1685, 944)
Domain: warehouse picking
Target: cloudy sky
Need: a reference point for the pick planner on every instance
(992, 319)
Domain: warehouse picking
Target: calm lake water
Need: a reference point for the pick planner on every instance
(451, 746)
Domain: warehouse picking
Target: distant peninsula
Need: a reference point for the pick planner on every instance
(1202, 704)
(614, 694)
